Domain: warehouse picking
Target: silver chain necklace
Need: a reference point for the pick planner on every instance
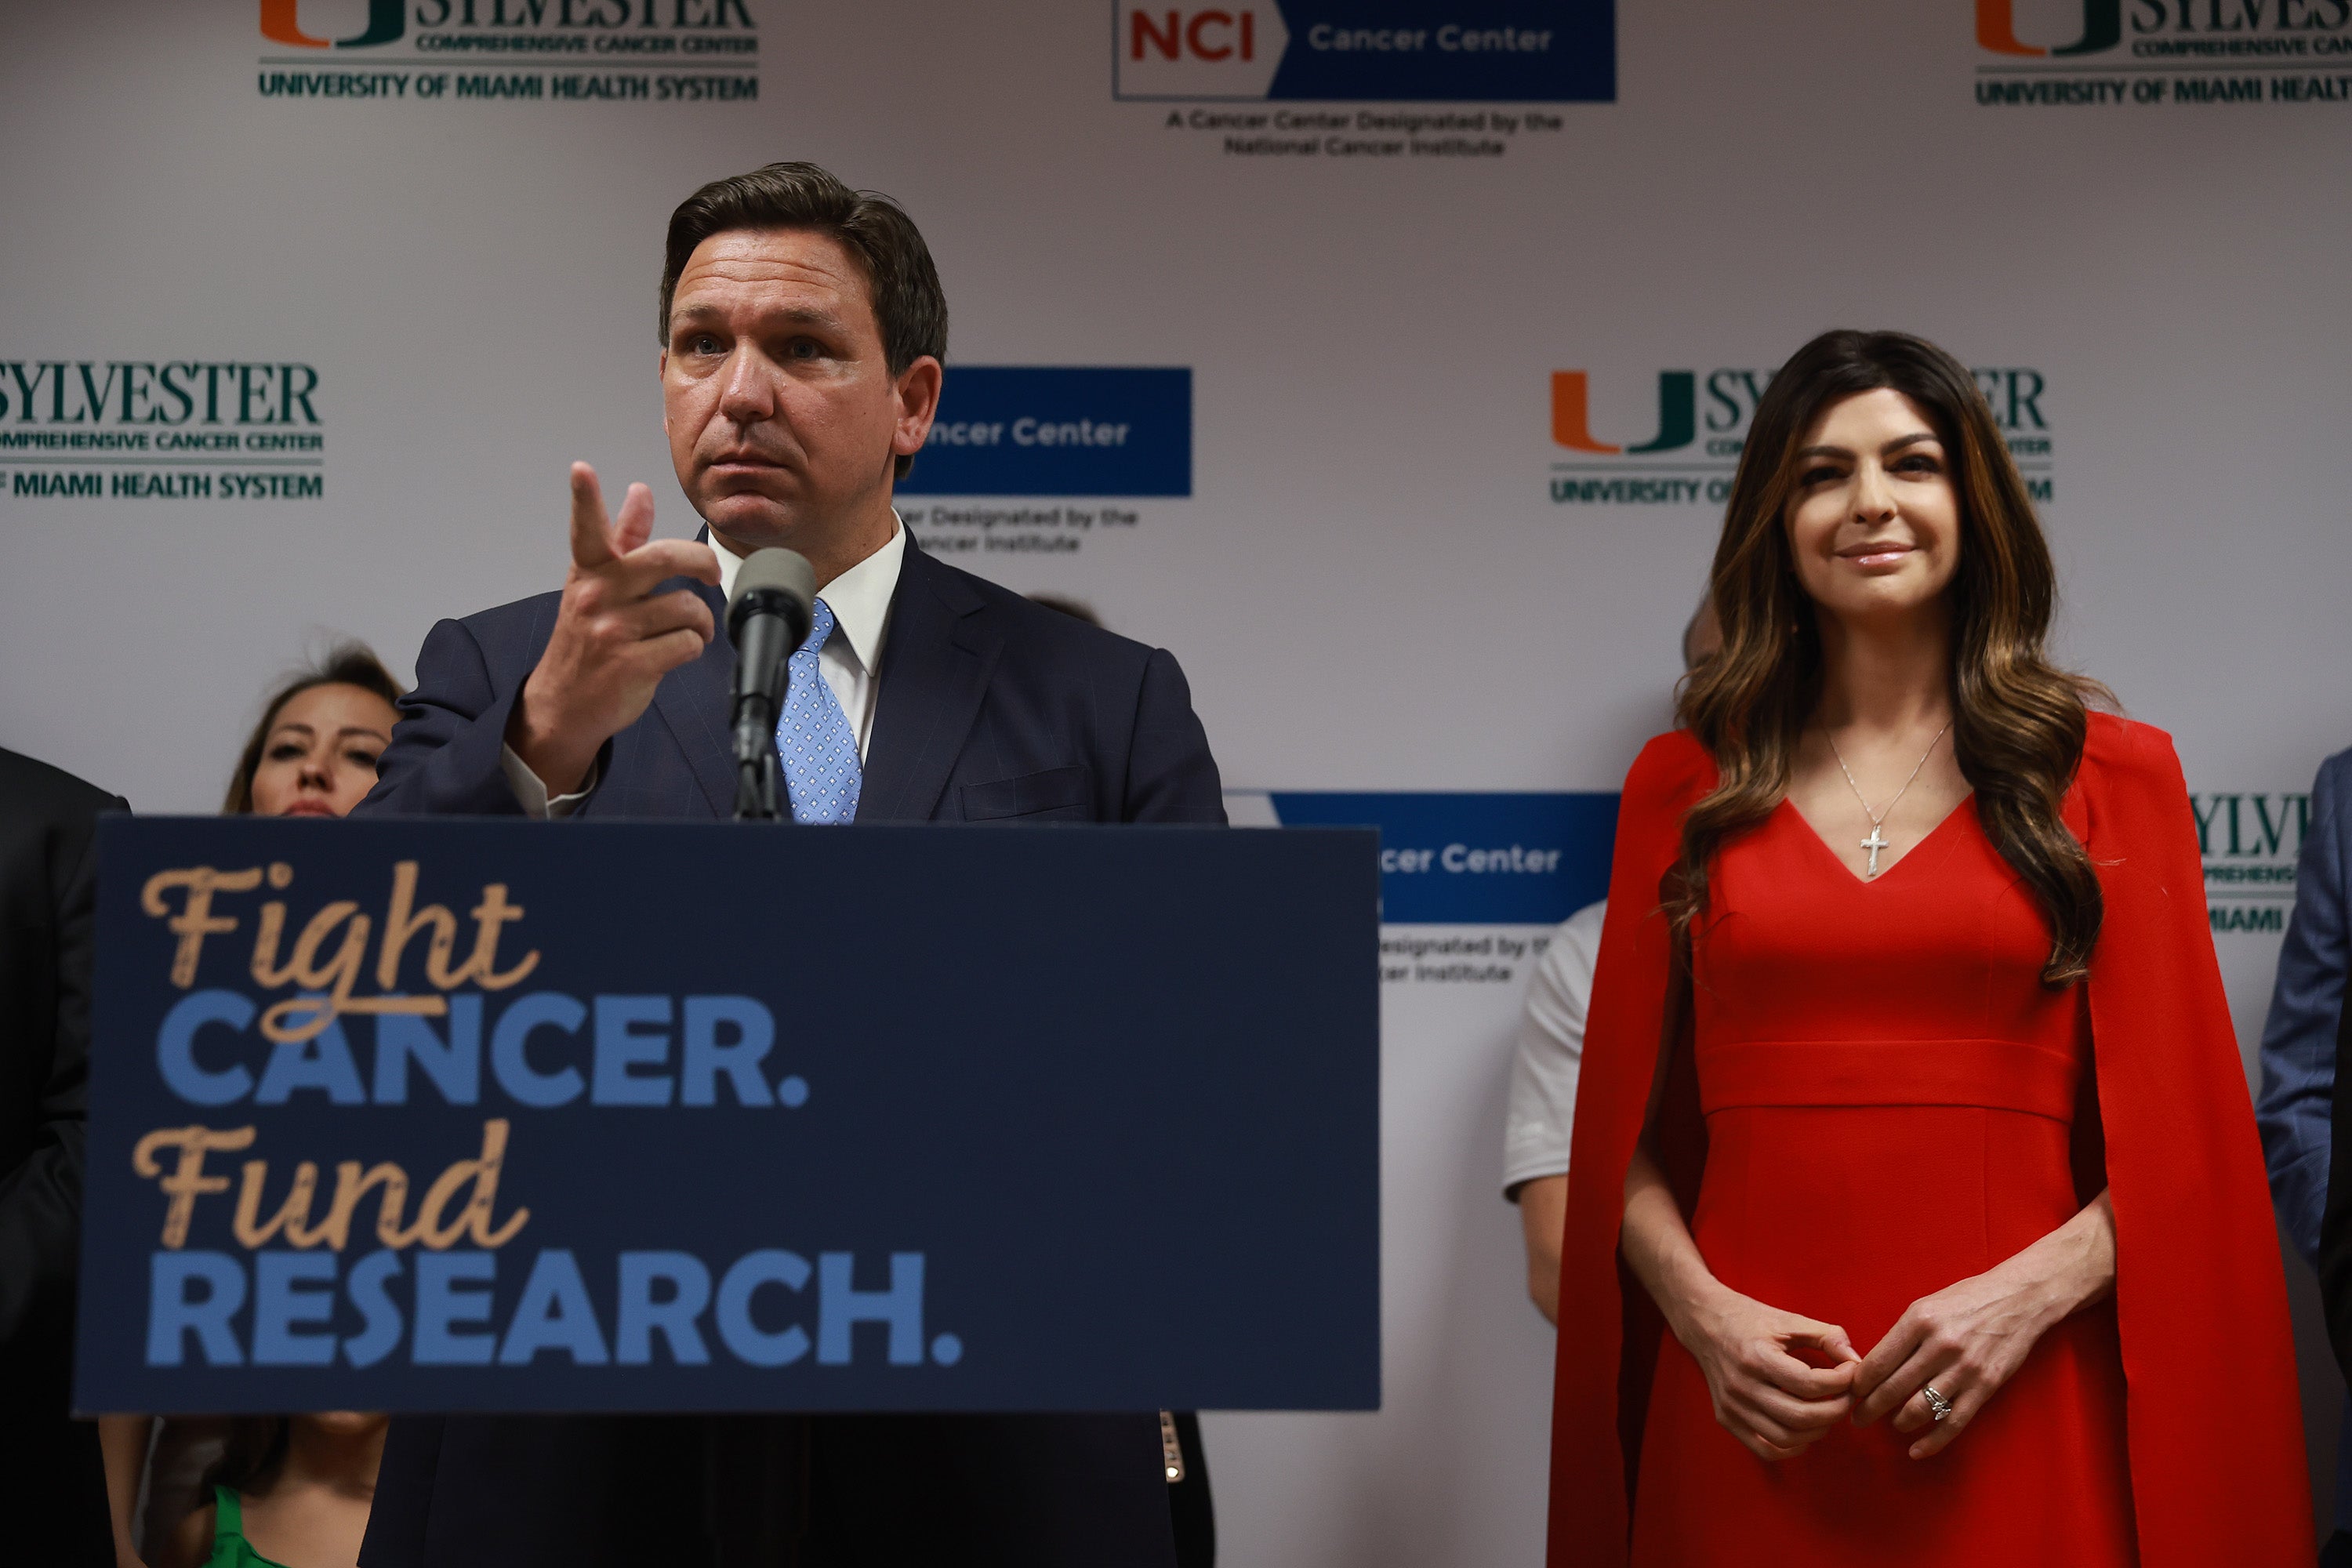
(1878, 841)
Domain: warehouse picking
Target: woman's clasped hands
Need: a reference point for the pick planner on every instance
(1781, 1382)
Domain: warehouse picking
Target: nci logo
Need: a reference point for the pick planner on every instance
(1701, 427)
(1210, 35)
(2157, 51)
(2250, 840)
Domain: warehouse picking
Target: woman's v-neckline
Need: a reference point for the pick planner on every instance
(1902, 860)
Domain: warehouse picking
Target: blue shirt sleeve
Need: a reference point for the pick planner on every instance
(2306, 1003)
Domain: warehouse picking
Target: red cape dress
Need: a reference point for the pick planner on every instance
(1831, 1175)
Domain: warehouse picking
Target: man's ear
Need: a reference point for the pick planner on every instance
(917, 392)
(661, 374)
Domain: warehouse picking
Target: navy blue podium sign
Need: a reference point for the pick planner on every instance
(475, 1115)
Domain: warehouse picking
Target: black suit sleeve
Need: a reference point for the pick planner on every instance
(40, 1198)
(2335, 1223)
(1171, 776)
(444, 753)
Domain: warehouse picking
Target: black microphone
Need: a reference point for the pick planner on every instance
(768, 617)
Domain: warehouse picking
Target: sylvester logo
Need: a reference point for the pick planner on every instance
(2103, 29)
(1572, 419)
(282, 24)
(1694, 442)
(1672, 467)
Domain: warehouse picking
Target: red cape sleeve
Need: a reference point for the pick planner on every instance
(1608, 1332)
(2215, 1419)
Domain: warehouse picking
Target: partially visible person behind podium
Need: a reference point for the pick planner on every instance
(2301, 1087)
(803, 327)
(51, 1470)
(1189, 1506)
(287, 1491)
(1540, 1112)
(313, 751)
(2305, 1128)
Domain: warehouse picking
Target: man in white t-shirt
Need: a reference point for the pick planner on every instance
(1540, 1113)
(1542, 1107)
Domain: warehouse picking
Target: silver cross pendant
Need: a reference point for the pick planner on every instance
(1874, 843)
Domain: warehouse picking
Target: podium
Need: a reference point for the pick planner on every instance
(462, 1115)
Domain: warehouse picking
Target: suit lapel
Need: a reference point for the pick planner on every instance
(935, 670)
(692, 700)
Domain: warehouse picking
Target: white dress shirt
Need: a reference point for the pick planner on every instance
(850, 660)
(1540, 1113)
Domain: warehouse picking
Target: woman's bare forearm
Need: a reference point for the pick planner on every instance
(2072, 1267)
(1658, 1246)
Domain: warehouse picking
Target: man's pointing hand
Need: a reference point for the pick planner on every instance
(615, 638)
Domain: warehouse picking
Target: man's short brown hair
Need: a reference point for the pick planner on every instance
(909, 304)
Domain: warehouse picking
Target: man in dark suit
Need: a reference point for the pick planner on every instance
(2306, 1128)
(48, 1464)
(803, 327)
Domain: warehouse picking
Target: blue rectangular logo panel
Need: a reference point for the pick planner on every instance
(1366, 51)
(478, 1116)
(1476, 858)
(1058, 430)
(1505, 51)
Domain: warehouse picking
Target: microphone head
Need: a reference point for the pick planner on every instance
(773, 580)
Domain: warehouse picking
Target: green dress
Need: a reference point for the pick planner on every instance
(230, 1548)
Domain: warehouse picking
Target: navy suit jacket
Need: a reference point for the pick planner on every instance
(2298, 1109)
(2306, 1006)
(990, 709)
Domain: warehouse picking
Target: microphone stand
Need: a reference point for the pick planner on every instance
(767, 617)
(758, 789)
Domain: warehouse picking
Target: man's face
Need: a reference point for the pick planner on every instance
(783, 415)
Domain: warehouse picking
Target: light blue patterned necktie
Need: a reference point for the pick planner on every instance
(814, 738)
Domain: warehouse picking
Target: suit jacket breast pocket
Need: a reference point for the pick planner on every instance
(1058, 794)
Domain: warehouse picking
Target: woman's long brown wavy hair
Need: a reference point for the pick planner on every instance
(2018, 722)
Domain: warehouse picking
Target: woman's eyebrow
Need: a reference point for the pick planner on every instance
(1895, 445)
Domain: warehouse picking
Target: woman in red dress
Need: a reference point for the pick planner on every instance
(1916, 1212)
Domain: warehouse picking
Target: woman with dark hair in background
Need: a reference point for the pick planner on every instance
(311, 753)
(1910, 1099)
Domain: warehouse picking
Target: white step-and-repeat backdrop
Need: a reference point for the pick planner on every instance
(1427, 331)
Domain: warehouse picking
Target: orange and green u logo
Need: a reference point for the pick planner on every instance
(2102, 29)
(1571, 423)
(280, 24)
